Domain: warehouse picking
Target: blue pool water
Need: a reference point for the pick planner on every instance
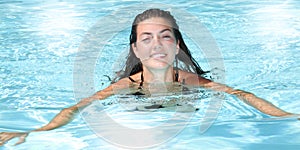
(39, 41)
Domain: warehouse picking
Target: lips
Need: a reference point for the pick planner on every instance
(158, 55)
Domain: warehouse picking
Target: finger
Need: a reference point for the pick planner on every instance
(2, 143)
(21, 140)
(6, 138)
(3, 137)
(2, 134)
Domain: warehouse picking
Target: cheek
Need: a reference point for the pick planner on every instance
(142, 52)
(173, 48)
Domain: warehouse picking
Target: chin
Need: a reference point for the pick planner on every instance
(156, 64)
(159, 65)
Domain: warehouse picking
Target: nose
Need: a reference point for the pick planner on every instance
(157, 45)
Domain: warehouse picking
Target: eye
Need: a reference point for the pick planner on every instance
(167, 37)
(146, 40)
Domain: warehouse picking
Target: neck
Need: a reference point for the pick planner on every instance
(158, 75)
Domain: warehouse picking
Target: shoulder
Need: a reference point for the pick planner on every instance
(136, 78)
(192, 78)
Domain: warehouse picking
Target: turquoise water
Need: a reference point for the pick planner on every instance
(259, 41)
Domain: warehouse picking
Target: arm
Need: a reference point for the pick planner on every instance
(260, 104)
(249, 98)
(67, 114)
(62, 118)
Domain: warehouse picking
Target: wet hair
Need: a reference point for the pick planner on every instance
(183, 58)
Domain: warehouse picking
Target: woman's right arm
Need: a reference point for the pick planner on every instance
(67, 114)
(62, 118)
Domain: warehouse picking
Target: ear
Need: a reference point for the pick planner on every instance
(135, 51)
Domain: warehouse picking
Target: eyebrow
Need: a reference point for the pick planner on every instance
(164, 30)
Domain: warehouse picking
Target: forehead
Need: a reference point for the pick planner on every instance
(153, 25)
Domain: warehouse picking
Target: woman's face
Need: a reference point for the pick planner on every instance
(156, 46)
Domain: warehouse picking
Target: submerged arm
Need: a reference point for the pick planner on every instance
(62, 118)
(249, 98)
(67, 114)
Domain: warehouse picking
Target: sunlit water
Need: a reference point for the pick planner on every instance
(259, 41)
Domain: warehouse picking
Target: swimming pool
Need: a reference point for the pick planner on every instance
(259, 41)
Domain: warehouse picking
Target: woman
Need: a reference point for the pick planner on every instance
(155, 45)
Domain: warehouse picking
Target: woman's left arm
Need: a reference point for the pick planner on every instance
(249, 98)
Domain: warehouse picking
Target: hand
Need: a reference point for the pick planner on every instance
(6, 136)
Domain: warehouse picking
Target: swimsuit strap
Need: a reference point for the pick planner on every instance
(176, 69)
(142, 81)
(176, 75)
(140, 87)
(142, 78)
(131, 79)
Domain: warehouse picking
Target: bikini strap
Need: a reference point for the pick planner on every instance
(131, 79)
(142, 78)
(176, 69)
(142, 81)
(176, 75)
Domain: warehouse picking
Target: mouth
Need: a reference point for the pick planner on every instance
(158, 55)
